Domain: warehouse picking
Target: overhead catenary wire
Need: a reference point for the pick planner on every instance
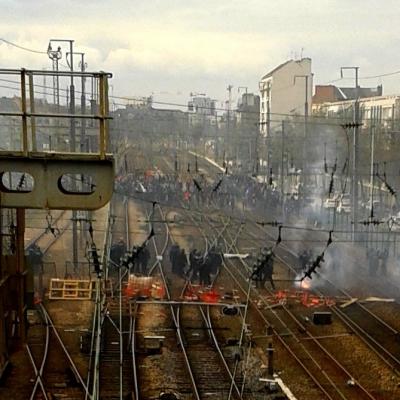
(282, 115)
(22, 47)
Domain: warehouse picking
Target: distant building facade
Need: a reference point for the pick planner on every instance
(248, 111)
(202, 111)
(331, 93)
(285, 91)
(382, 111)
(202, 105)
(246, 124)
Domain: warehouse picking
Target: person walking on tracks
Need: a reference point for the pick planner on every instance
(205, 270)
(173, 257)
(268, 269)
(196, 261)
(143, 260)
(263, 268)
(181, 263)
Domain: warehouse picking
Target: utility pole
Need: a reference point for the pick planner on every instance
(54, 56)
(282, 167)
(227, 142)
(84, 145)
(354, 186)
(268, 108)
(239, 143)
(306, 78)
(216, 152)
(72, 142)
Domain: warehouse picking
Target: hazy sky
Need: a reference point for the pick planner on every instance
(178, 46)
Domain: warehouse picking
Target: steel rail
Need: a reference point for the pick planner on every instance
(317, 342)
(231, 375)
(98, 315)
(367, 339)
(133, 349)
(327, 377)
(70, 360)
(244, 316)
(39, 372)
(283, 342)
(209, 325)
(38, 379)
(175, 314)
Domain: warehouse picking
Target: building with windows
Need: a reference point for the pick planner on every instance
(286, 90)
(331, 93)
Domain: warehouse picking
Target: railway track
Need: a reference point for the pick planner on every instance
(196, 357)
(382, 338)
(56, 374)
(327, 373)
(332, 378)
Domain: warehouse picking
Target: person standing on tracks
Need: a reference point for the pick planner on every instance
(267, 269)
(205, 269)
(143, 260)
(35, 257)
(256, 275)
(133, 263)
(216, 260)
(117, 251)
(181, 263)
(196, 261)
(263, 268)
(173, 257)
(383, 258)
(304, 259)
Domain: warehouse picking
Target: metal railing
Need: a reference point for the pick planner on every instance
(24, 88)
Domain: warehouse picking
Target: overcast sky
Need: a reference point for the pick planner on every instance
(183, 46)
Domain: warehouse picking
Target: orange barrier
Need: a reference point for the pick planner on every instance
(144, 286)
(197, 292)
(303, 297)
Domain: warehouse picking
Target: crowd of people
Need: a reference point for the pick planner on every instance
(196, 267)
(227, 191)
(233, 192)
(136, 260)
